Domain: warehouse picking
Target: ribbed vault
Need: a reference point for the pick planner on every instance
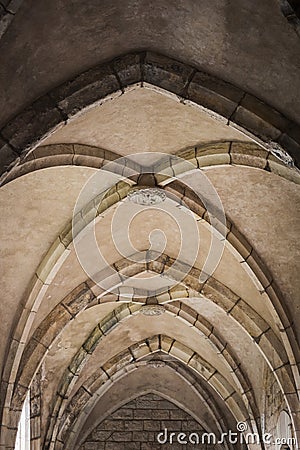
(195, 299)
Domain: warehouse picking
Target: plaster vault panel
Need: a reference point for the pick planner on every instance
(144, 120)
(35, 207)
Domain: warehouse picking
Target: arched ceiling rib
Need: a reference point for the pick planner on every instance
(232, 106)
(225, 39)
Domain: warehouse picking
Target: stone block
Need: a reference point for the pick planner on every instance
(111, 424)
(78, 361)
(92, 341)
(219, 294)
(176, 414)
(78, 299)
(140, 436)
(98, 435)
(133, 425)
(121, 436)
(97, 380)
(7, 156)
(35, 427)
(247, 316)
(121, 312)
(117, 362)
(213, 160)
(166, 73)
(186, 154)
(291, 146)
(152, 425)
(161, 414)
(35, 407)
(255, 124)
(214, 94)
(146, 403)
(239, 242)
(78, 401)
(85, 89)
(284, 171)
(216, 342)
(235, 403)
(212, 149)
(182, 352)
(49, 150)
(221, 385)
(139, 350)
(140, 413)
(67, 379)
(151, 446)
(35, 444)
(166, 343)
(91, 446)
(265, 112)
(32, 124)
(52, 325)
(171, 425)
(108, 323)
(128, 68)
(50, 263)
(187, 313)
(260, 269)
(201, 366)
(248, 154)
(115, 446)
(153, 343)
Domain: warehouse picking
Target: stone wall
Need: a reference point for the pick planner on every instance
(136, 425)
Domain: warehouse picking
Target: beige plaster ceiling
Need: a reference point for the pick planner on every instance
(144, 120)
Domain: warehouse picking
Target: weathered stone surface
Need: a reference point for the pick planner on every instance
(265, 112)
(128, 69)
(32, 124)
(92, 341)
(7, 156)
(248, 154)
(255, 124)
(152, 414)
(78, 361)
(201, 366)
(214, 94)
(52, 325)
(85, 89)
(291, 146)
(166, 73)
(118, 362)
(78, 299)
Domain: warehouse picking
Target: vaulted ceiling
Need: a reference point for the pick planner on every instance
(194, 297)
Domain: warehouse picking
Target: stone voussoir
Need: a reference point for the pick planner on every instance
(128, 68)
(214, 94)
(32, 124)
(85, 89)
(7, 156)
(166, 73)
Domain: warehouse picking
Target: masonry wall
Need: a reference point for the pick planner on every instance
(136, 425)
